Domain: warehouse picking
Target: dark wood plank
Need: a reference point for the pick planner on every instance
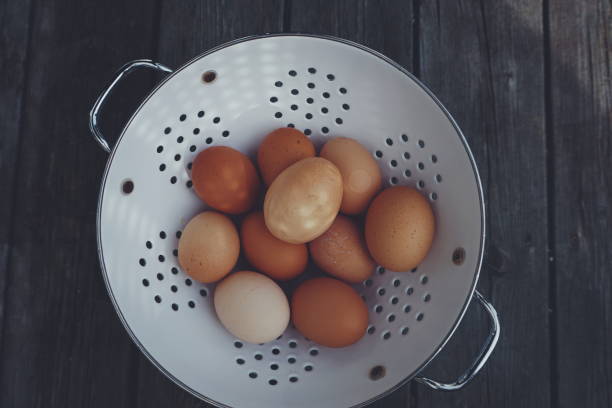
(581, 153)
(193, 27)
(186, 29)
(63, 345)
(14, 31)
(485, 61)
(386, 26)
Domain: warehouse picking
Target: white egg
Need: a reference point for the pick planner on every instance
(252, 307)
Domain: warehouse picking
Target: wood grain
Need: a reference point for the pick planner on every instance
(187, 29)
(63, 345)
(528, 82)
(14, 35)
(485, 61)
(581, 142)
(385, 26)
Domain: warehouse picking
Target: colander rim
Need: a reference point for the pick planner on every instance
(375, 53)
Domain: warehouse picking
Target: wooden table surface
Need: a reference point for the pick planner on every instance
(527, 80)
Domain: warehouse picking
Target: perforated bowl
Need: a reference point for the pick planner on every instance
(234, 95)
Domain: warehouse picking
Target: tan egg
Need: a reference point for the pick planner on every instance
(361, 177)
(341, 251)
(399, 228)
(268, 254)
(225, 179)
(303, 200)
(252, 307)
(209, 246)
(280, 149)
(329, 312)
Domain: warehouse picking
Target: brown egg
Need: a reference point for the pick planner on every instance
(399, 228)
(209, 246)
(268, 254)
(280, 149)
(360, 174)
(329, 312)
(341, 251)
(225, 179)
(251, 306)
(303, 200)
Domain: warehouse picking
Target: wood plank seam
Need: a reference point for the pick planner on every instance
(550, 197)
(416, 30)
(287, 16)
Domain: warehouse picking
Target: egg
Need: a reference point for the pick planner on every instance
(399, 228)
(251, 306)
(225, 179)
(329, 312)
(209, 246)
(303, 200)
(280, 149)
(341, 251)
(361, 177)
(268, 254)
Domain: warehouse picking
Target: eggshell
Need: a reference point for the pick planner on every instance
(225, 179)
(341, 251)
(303, 200)
(361, 178)
(268, 254)
(329, 312)
(252, 307)
(209, 246)
(280, 149)
(399, 228)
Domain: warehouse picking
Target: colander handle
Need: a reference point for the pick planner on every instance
(482, 358)
(123, 71)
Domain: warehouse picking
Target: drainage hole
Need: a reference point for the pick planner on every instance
(377, 372)
(458, 256)
(127, 187)
(209, 76)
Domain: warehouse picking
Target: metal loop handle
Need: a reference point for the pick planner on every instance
(123, 71)
(482, 358)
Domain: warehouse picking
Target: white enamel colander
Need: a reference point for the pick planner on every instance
(234, 95)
